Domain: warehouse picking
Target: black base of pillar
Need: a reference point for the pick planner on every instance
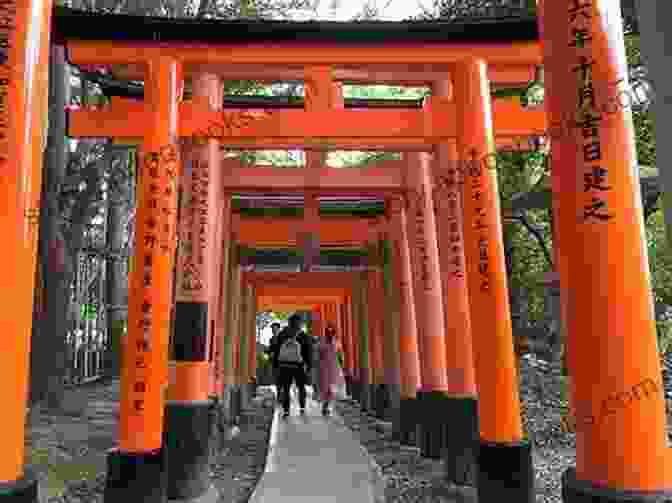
(247, 395)
(392, 409)
(225, 406)
(364, 392)
(348, 386)
(462, 439)
(408, 421)
(505, 473)
(355, 390)
(136, 476)
(216, 423)
(24, 490)
(432, 424)
(236, 405)
(381, 401)
(187, 443)
(576, 491)
(371, 393)
(376, 401)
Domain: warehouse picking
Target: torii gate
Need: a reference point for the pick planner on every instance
(309, 291)
(621, 445)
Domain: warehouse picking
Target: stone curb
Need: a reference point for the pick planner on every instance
(376, 477)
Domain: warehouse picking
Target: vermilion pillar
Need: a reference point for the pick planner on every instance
(354, 323)
(316, 322)
(374, 312)
(347, 342)
(24, 88)
(244, 343)
(248, 340)
(391, 328)
(429, 307)
(236, 295)
(188, 418)
(356, 341)
(309, 237)
(253, 338)
(222, 353)
(220, 295)
(462, 436)
(505, 463)
(216, 334)
(136, 471)
(562, 158)
(409, 376)
(340, 326)
(210, 89)
(231, 292)
(622, 452)
(364, 378)
(350, 349)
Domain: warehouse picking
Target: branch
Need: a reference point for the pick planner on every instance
(651, 205)
(537, 234)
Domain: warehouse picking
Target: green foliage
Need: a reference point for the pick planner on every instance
(519, 172)
(263, 361)
(281, 315)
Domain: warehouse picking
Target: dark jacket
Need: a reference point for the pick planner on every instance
(306, 347)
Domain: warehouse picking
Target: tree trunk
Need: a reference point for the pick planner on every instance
(654, 29)
(116, 304)
(48, 355)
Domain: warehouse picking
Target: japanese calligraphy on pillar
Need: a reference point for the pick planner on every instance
(7, 27)
(420, 237)
(474, 177)
(157, 239)
(446, 197)
(396, 207)
(191, 280)
(595, 174)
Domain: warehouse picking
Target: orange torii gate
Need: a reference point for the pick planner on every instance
(400, 130)
(307, 291)
(277, 232)
(442, 252)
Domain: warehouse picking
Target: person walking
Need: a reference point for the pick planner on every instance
(275, 328)
(292, 354)
(315, 374)
(328, 369)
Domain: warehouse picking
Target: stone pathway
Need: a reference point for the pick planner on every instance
(316, 459)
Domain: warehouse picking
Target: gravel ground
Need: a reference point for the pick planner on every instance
(409, 478)
(68, 451)
(238, 468)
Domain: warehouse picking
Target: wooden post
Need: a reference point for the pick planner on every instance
(408, 337)
(503, 452)
(622, 451)
(429, 307)
(24, 90)
(137, 469)
(462, 436)
(188, 404)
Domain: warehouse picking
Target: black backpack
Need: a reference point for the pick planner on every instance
(290, 351)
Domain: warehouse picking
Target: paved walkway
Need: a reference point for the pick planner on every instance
(314, 459)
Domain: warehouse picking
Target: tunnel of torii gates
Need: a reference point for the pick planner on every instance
(425, 317)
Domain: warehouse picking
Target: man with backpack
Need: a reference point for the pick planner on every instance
(292, 356)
